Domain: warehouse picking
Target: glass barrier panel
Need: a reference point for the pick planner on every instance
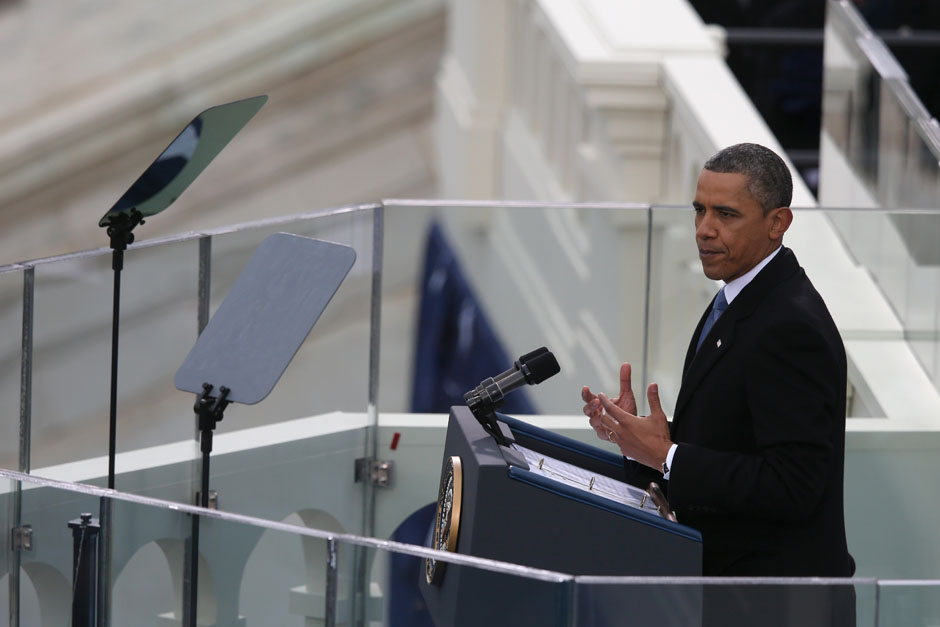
(510, 277)
(925, 160)
(249, 573)
(909, 602)
(882, 296)
(892, 400)
(517, 275)
(900, 250)
(276, 576)
(8, 517)
(330, 370)
(257, 572)
(47, 572)
(404, 509)
(880, 147)
(840, 77)
(403, 264)
(679, 293)
(876, 131)
(461, 594)
(852, 96)
(910, 151)
(894, 134)
(270, 471)
(72, 361)
(274, 471)
(296, 571)
(11, 346)
(309, 432)
(160, 312)
(731, 603)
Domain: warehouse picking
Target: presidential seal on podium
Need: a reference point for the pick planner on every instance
(447, 519)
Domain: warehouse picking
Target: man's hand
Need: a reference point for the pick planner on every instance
(625, 401)
(646, 439)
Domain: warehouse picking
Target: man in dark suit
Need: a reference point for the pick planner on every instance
(754, 455)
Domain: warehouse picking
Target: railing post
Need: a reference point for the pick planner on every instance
(26, 368)
(26, 405)
(648, 289)
(84, 570)
(378, 235)
(205, 282)
(360, 583)
(190, 556)
(568, 614)
(329, 611)
(105, 544)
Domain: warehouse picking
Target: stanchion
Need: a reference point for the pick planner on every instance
(84, 570)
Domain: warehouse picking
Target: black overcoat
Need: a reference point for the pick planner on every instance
(760, 428)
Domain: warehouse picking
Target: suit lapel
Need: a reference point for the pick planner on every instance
(690, 353)
(714, 348)
(698, 364)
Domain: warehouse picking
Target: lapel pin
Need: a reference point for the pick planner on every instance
(718, 344)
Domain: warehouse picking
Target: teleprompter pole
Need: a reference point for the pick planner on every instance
(120, 229)
(209, 411)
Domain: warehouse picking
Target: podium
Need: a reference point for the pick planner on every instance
(504, 510)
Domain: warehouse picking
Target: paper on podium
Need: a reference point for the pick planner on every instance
(593, 483)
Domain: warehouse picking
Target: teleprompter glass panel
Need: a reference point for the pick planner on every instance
(184, 159)
(330, 372)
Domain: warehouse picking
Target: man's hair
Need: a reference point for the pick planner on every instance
(768, 178)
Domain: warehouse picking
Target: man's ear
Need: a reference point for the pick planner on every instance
(780, 220)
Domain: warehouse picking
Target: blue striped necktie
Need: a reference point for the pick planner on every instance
(718, 308)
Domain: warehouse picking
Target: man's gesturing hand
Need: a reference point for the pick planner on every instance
(625, 401)
(646, 439)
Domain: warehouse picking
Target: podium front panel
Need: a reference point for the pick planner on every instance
(510, 514)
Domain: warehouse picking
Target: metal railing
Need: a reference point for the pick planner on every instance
(573, 600)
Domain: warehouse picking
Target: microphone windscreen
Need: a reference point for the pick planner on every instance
(542, 366)
(529, 356)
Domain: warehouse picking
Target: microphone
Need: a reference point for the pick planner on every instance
(519, 364)
(530, 369)
(483, 400)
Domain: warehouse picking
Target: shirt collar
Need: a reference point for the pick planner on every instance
(734, 287)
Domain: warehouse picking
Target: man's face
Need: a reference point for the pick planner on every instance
(732, 233)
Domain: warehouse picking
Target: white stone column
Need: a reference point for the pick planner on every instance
(471, 94)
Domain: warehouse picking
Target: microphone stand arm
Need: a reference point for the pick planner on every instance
(483, 401)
